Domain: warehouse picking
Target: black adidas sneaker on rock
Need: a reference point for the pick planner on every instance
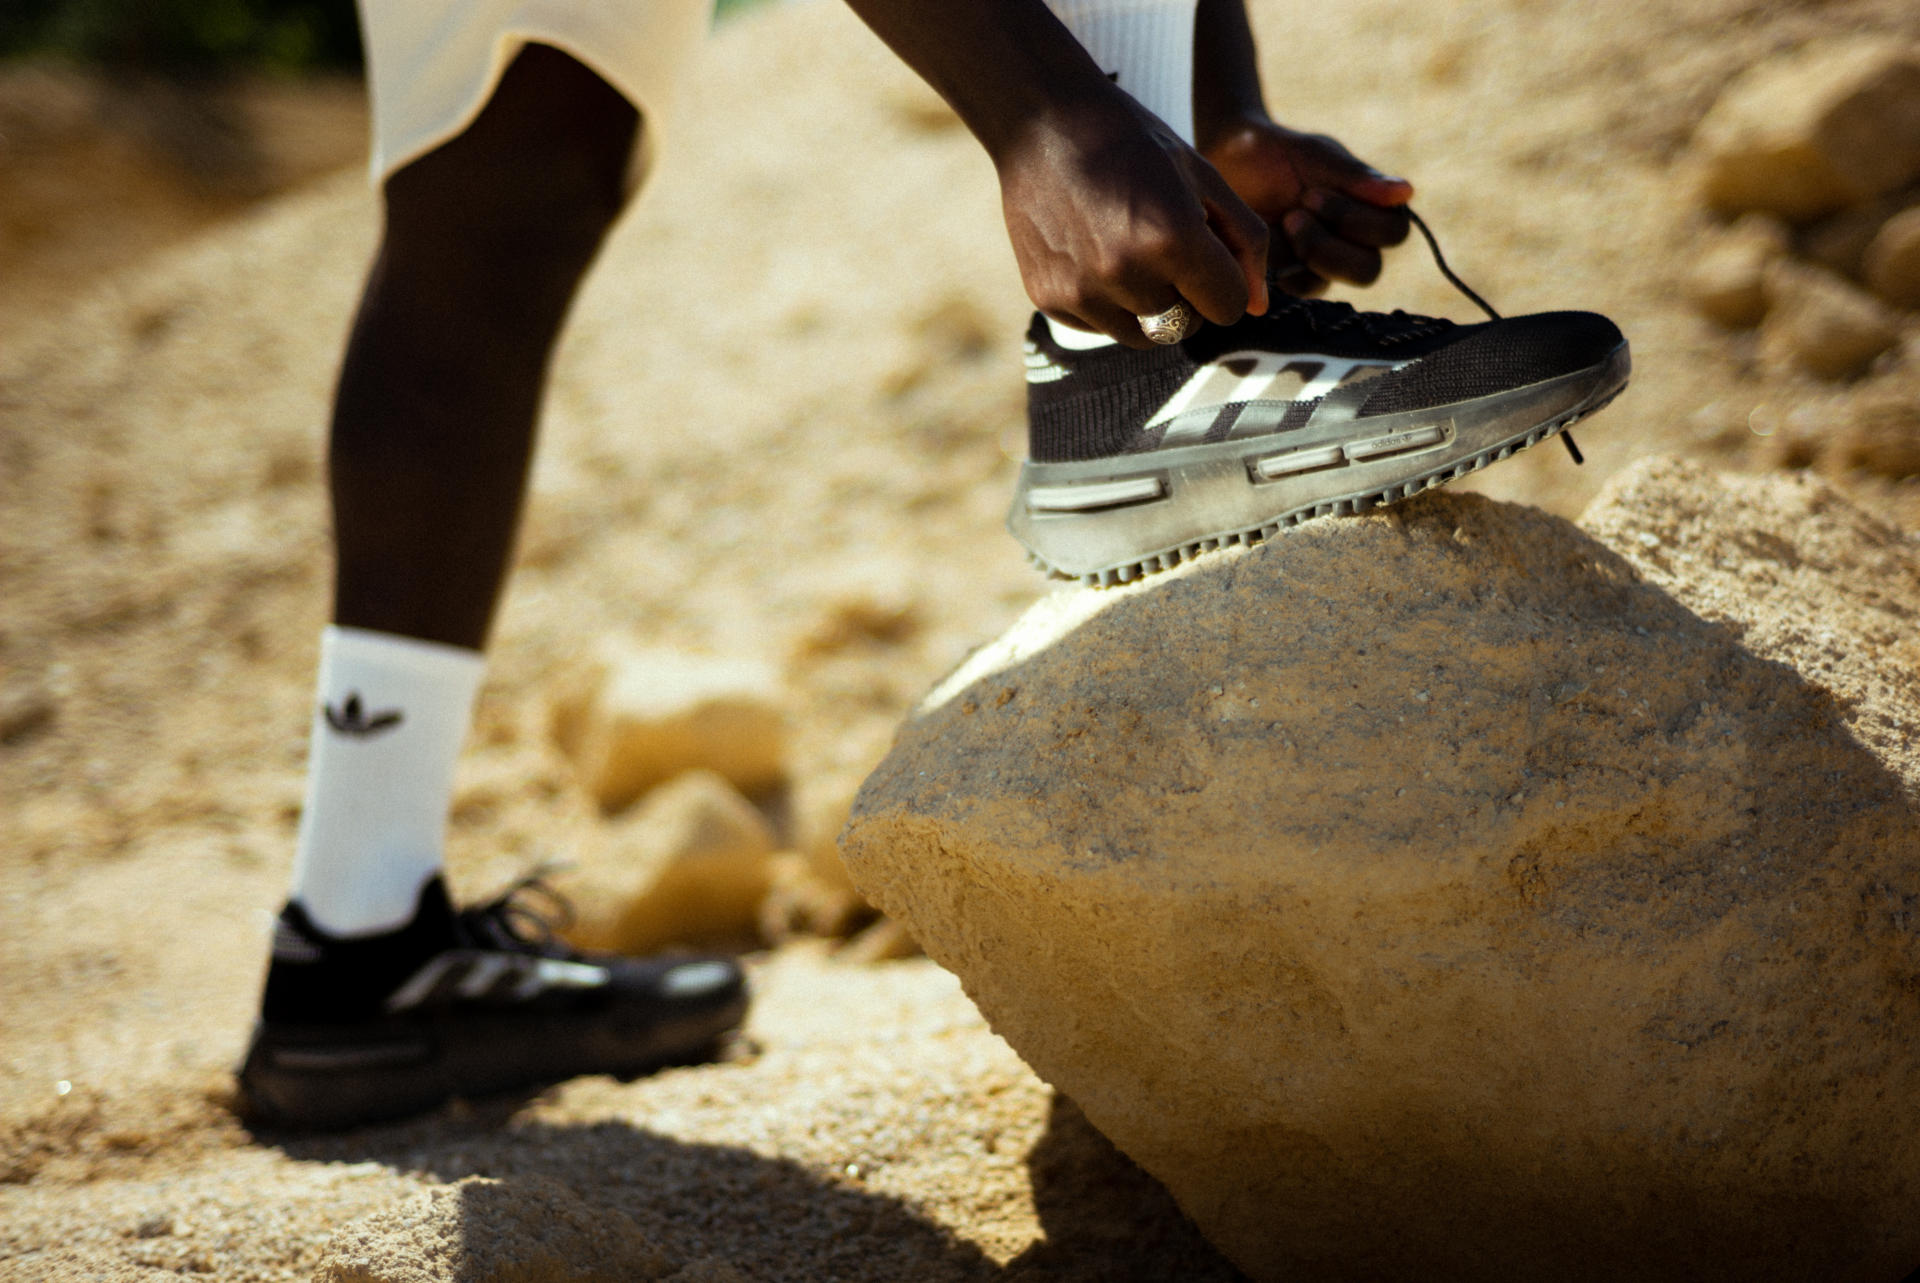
(360, 1029)
(1137, 460)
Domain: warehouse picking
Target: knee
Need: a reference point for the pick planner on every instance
(531, 187)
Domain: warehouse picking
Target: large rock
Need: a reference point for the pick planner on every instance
(1451, 893)
(1815, 130)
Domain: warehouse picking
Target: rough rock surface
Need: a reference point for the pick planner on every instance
(640, 716)
(1454, 893)
(1822, 323)
(527, 1230)
(689, 865)
(1815, 130)
(1892, 260)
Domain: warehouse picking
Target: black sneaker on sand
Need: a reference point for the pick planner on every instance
(1137, 460)
(360, 1029)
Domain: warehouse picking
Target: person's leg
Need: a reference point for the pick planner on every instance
(486, 239)
(380, 998)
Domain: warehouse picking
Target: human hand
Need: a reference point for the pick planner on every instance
(1332, 213)
(1112, 217)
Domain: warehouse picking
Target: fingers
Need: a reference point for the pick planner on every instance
(1289, 274)
(1376, 226)
(1326, 163)
(1216, 263)
(1243, 233)
(1116, 323)
(1327, 253)
(1377, 188)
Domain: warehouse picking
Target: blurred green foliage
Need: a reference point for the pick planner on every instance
(186, 36)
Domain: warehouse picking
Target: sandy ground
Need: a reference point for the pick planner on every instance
(793, 378)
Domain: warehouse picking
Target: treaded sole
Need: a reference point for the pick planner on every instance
(296, 1083)
(1352, 505)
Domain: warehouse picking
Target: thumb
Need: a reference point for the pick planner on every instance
(1376, 188)
(1326, 162)
(1243, 232)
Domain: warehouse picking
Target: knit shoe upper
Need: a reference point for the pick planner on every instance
(1139, 459)
(355, 1029)
(1269, 374)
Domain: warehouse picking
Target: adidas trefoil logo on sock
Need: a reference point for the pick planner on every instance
(351, 719)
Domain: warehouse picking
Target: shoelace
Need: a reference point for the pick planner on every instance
(1323, 316)
(530, 914)
(1440, 261)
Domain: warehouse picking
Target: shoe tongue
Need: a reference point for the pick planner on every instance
(433, 914)
(1337, 317)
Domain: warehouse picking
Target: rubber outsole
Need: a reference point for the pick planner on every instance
(1611, 379)
(327, 1079)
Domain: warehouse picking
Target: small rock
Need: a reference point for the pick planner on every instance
(1822, 323)
(637, 717)
(1839, 242)
(525, 1230)
(1880, 431)
(1728, 283)
(1891, 264)
(874, 600)
(887, 940)
(25, 711)
(689, 865)
(821, 804)
(1815, 130)
(799, 903)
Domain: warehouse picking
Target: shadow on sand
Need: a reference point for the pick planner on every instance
(768, 1218)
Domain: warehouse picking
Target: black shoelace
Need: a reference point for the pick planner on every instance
(1325, 316)
(526, 917)
(1322, 316)
(1440, 261)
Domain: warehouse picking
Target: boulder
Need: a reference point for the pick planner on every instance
(1892, 261)
(1455, 893)
(526, 1230)
(1728, 283)
(689, 865)
(1822, 323)
(1815, 130)
(638, 716)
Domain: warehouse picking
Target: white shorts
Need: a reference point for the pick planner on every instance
(432, 64)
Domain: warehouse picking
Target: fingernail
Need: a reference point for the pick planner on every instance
(1316, 200)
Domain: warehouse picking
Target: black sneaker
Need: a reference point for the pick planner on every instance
(366, 1028)
(1137, 460)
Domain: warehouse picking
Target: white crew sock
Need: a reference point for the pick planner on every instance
(391, 716)
(1147, 47)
